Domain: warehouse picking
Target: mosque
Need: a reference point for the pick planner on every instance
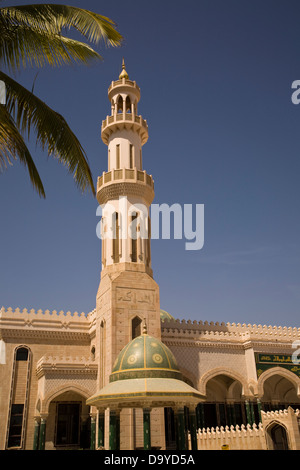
(128, 375)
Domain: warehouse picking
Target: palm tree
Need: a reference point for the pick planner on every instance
(31, 35)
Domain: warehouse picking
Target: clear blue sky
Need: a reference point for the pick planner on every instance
(215, 77)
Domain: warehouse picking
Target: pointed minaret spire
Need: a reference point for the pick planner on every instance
(123, 74)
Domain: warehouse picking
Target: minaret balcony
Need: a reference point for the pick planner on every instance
(125, 182)
(127, 121)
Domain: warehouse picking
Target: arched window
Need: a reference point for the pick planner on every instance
(120, 105)
(118, 157)
(136, 327)
(133, 227)
(18, 398)
(128, 105)
(130, 156)
(22, 354)
(116, 237)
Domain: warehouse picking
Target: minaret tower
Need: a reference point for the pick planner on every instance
(127, 295)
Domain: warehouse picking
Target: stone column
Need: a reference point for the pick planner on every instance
(36, 433)
(42, 436)
(93, 432)
(101, 428)
(147, 428)
(181, 443)
(248, 412)
(118, 426)
(193, 429)
(114, 429)
(259, 407)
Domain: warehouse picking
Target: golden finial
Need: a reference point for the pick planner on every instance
(144, 327)
(123, 74)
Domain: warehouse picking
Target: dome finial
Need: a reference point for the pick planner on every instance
(144, 327)
(123, 74)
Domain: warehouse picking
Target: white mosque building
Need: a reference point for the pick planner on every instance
(128, 375)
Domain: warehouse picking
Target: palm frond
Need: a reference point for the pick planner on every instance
(53, 18)
(32, 34)
(13, 147)
(52, 131)
(25, 46)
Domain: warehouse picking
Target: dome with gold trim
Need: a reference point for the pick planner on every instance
(144, 374)
(145, 356)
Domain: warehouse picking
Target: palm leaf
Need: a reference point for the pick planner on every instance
(52, 132)
(39, 22)
(26, 46)
(12, 147)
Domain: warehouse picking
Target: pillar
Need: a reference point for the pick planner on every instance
(93, 432)
(248, 412)
(114, 429)
(36, 434)
(147, 428)
(259, 407)
(118, 425)
(252, 413)
(193, 428)
(181, 443)
(101, 428)
(42, 437)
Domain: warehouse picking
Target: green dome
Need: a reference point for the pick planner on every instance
(145, 356)
(166, 316)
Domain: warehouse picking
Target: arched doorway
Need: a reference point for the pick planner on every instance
(68, 422)
(225, 404)
(278, 390)
(278, 437)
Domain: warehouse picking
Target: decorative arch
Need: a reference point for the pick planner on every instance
(59, 391)
(223, 371)
(290, 376)
(271, 442)
(119, 101)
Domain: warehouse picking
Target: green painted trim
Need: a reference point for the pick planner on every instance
(101, 429)
(147, 429)
(181, 439)
(36, 435)
(145, 373)
(42, 437)
(193, 429)
(93, 434)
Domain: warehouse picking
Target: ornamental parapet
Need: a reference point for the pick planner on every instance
(124, 182)
(127, 121)
(123, 82)
(30, 322)
(188, 328)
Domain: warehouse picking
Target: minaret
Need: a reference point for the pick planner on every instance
(127, 294)
(126, 190)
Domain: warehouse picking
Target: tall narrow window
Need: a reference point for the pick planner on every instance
(141, 163)
(120, 105)
(18, 398)
(134, 238)
(16, 424)
(136, 325)
(118, 157)
(102, 352)
(128, 105)
(115, 221)
(130, 156)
